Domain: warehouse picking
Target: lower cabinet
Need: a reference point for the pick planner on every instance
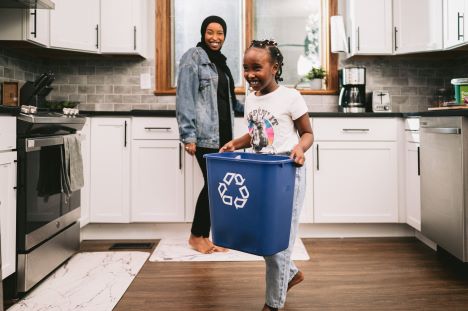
(110, 170)
(8, 212)
(157, 182)
(412, 174)
(85, 136)
(355, 170)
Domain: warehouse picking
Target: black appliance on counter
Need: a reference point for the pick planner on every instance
(35, 93)
(48, 230)
(352, 89)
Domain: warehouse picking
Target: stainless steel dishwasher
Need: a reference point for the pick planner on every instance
(444, 168)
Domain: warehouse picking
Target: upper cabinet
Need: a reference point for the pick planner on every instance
(74, 25)
(123, 27)
(454, 23)
(386, 27)
(28, 25)
(370, 27)
(96, 26)
(417, 25)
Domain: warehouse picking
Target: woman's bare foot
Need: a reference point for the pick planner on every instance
(199, 244)
(298, 278)
(217, 248)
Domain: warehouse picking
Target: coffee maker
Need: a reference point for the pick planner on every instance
(353, 89)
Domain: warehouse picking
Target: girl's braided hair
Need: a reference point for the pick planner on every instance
(272, 47)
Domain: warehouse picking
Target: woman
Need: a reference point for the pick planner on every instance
(205, 100)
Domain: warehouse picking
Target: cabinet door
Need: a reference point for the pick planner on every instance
(355, 182)
(86, 155)
(110, 170)
(38, 30)
(8, 212)
(454, 23)
(75, 25)
(157, 181)
(413, 196)
(417, 25)
(371, 26)
(123, 27)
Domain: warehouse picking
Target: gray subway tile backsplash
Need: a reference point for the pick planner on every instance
(113, 84)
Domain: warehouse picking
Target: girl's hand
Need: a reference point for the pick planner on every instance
(297, 154)
(228, 147)
(191, 148)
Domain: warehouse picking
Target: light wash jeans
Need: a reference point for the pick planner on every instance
(280, 269)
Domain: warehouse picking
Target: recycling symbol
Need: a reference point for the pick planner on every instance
(237, 181)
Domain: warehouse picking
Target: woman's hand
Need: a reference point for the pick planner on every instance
(297, 154)
(191, 148)
(228, 147)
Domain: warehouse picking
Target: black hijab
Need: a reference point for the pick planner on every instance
(217, 57)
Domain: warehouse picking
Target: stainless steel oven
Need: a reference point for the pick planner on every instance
(48, 230)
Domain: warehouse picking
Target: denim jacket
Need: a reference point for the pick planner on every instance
(196, 100)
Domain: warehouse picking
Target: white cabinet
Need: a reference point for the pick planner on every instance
(417, 25)
(29, 25)
(307, 213)
(355, 170)
(157, 171)
(123, 27)
(412, 176)
(110, 170)
(455, 26)
(8, 212)
(370, 27)
(85, 135)
(75, 25)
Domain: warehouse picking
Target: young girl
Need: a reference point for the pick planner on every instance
(276, 115)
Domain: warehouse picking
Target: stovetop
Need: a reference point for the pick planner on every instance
(45, 117)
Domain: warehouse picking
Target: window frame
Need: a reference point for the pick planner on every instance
(163, 61)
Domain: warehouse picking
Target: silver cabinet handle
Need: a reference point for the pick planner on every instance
(158, 128)
(460, 34)
(443, 130)
(318, 161)
(34, 32)
(358, 41)
(396, 32)
(355, 130)
(134, 37)
(412, 131)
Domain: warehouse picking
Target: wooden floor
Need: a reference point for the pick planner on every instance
(343, 274)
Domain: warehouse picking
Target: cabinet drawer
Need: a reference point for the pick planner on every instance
(355, 129)
(155, 128)
(7, 133)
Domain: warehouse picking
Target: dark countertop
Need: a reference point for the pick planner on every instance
(7, 110)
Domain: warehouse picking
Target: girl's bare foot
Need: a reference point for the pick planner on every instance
(268, 308)
(199, 244)
(298, 278)
(216, 248)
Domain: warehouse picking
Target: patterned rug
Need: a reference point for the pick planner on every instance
(177, 249)
(93, 281)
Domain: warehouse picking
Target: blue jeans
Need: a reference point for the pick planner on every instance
(280, 269)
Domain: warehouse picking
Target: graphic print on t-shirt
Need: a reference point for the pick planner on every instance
(261, 129)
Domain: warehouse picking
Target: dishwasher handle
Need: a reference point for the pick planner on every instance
(442, 130)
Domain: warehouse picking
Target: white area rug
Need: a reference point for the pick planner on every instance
(92, 281)
(177, 249)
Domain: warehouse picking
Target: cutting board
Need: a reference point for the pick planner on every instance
(449, 107)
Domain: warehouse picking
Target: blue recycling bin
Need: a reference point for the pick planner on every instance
(251, 198)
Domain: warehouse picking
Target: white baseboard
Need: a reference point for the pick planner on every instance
(161, 230)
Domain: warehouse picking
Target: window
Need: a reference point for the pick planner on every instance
(301, 28)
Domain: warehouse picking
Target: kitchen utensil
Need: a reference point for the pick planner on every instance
(353, 89)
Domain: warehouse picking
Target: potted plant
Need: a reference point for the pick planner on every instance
(315, 76)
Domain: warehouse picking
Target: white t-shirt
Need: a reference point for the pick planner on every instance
(270, 119)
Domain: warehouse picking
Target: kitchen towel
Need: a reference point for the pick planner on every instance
(88, 281)
(72, 164)
(177, 249)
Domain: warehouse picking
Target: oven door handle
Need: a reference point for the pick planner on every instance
(34, 144)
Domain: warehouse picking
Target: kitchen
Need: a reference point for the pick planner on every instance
(124, 89)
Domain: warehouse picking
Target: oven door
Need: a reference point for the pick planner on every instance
(43, 208)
